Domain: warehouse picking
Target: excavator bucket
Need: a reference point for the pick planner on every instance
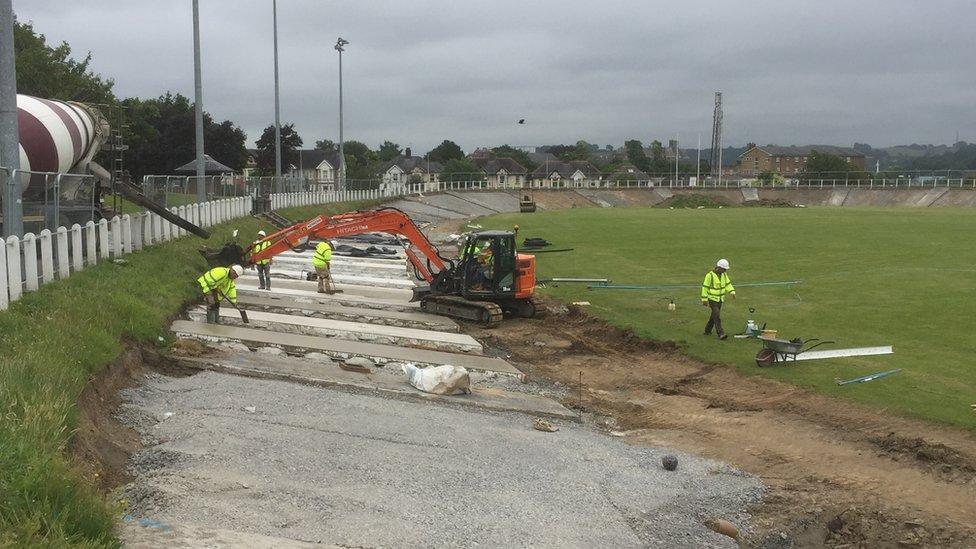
(419, 293)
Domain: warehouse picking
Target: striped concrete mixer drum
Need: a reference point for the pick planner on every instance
(56, 136)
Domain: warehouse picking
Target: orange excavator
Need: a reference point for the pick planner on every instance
(488, 278)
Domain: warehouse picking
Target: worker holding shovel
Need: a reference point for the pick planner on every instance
(321, 261)
(218, 284)
(714, 289)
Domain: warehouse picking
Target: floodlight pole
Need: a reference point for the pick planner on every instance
(13, 208)
(198, 107)
(277, 180)
(340, 47)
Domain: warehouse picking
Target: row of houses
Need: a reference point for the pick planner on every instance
(404, 170)
(322, 167)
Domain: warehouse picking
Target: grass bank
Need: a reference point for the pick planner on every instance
(871, 276)
(300, 213)
(51, 342)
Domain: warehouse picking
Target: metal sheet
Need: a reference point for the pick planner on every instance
(842, 353)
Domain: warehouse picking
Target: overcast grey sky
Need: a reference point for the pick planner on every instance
(792, 72)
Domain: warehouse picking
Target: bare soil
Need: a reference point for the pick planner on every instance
(838, 474)
(102, 444)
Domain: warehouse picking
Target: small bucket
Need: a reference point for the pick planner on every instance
(769, 334)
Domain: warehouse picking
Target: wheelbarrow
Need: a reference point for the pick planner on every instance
(784, 350)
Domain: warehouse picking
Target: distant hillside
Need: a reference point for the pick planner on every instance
(914, 156)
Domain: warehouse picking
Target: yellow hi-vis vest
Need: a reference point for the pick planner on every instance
(260, 246)
(715, 287)
(323, 254)
(219, 279)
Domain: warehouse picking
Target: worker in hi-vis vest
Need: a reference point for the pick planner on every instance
(218, 284)
(714, 289)
(263, 266)
(321, 261)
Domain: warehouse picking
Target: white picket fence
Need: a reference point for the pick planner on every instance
(310, 198)
(28, 262)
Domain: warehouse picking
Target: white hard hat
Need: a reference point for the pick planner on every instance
(237, 269)
(262, 233)
(723, 263)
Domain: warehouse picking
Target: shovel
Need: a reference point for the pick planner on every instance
(242, 311)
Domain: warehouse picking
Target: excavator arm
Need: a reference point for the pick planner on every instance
(423, 255)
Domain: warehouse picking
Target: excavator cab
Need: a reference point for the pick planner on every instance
(487, 265)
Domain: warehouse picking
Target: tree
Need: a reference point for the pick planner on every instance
(461, 169)
(161, 136)
(327, 145)
(290, 143)
(51, 73)
(659, 162)
(226, 143)
(388, 151)
(581, 151)
(360, 160)
(636, 154)
(820, 164)
(520, 156)
(446, 151)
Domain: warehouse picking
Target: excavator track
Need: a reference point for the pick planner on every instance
(486, 313)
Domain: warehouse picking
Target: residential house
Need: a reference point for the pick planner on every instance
(251, 164)
(557, 174)
(790, 160)
(628, 172)
(406, 169)
(319, 168)
(501, 173)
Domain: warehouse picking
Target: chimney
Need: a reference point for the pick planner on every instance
(407, 152)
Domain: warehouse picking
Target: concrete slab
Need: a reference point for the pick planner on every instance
(931, 196)
(390, 294)
(298, 271)
(451, 202)
(337, 277)
(424, 212)
(838, 196)
(344, 329)
(346, 264)
(664, 193)
(382, 381)
(349, 300)
(495, 201)
(750, 194)
(340, 348)
(308, 307)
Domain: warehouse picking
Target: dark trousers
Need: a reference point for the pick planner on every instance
(264, 276)
(715, 320)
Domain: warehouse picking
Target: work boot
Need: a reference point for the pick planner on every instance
(723, 337)
(260, 287)
(211, 316)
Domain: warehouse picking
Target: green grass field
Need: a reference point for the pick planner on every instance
(904, 277)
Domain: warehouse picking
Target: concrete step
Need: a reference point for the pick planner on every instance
(305, 306)
(381, 380)
(339, 278)
(348, 264)
(344, 329)
(307, 256)
(249, 280)
(348, 300)
(339, 348)
(298, 271)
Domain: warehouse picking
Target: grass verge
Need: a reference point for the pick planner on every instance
(51, 342)
(871, 276)
(301, 213)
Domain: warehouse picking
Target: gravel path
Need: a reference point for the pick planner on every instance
(319, 465)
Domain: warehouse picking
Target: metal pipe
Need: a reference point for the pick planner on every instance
(673, 286)
(198, 99)
(274, 9)
(13, 208)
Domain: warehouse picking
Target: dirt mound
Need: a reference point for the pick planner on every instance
(770, 203)
(694, 201)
